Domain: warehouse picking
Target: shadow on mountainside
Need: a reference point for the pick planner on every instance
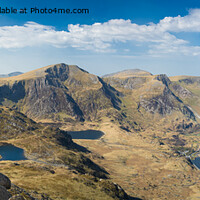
(77, 147)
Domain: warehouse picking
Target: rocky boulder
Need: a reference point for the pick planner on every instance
(5, 181)
(4, 194)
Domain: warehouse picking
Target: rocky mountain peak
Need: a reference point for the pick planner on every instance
(164, 79)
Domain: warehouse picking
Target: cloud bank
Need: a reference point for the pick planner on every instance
(103, 37)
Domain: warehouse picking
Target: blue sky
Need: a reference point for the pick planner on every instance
(157, 36)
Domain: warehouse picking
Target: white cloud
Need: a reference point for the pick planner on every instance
(102, 37)
(188, 23)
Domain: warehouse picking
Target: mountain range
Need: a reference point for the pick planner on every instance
(148, 121)
(63, 93)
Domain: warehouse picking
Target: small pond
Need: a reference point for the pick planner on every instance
(87, 135)
(11, 152)
(196, 162)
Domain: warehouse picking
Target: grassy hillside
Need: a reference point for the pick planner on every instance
(56, 166)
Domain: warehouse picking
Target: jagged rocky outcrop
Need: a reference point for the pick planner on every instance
(58, 92)
(46, 97)
(190, 80)
(163, 78)
(167, 102)
(156, 94)
(181, 91)
(162, 104)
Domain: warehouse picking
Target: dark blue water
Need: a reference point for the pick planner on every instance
(10, 152)
(196, 162)
(88, 134)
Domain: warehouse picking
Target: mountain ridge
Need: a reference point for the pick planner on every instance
(58, 91)
(10, 74)
(67, 93)
(128, 73)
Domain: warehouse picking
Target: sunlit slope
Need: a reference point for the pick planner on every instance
(54, 161)
(151, 99)
(58, 93)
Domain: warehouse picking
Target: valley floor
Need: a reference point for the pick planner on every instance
(143, 167)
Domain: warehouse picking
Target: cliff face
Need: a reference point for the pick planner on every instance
(155, 94)
(58, 92)
(47, 96)
(167, 102)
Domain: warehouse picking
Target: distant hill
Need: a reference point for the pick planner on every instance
(10, 74)
(128, 73)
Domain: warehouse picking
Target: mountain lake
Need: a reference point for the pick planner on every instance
(11, 152)
(87, 134)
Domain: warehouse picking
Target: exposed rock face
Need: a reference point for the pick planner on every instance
(165, 104)
(181, 91)
(5, 181)
(45, 96)
(15, 193)
(162, 104)
(156, 94)
(59, 92)
(190, 80)
(164, 79)
(167, 101)
(4, 194)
